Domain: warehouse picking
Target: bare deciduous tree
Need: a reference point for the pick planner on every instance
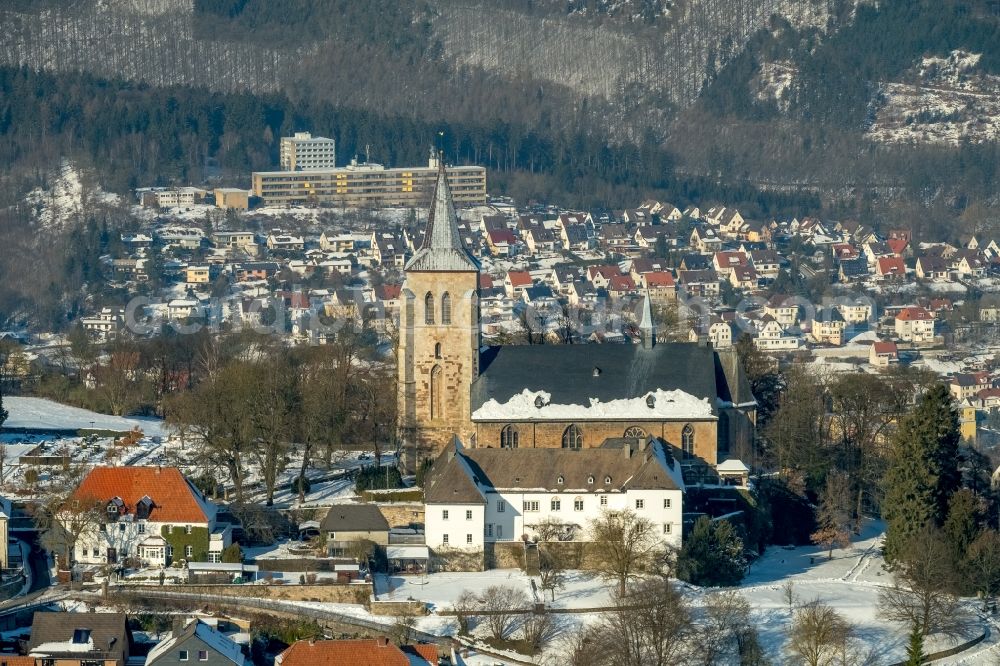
(551, 571)
(834, 514)
(819, 634)
(649, 625)
(921, 594)
(503, 606)
(724, 627)
(625, 545)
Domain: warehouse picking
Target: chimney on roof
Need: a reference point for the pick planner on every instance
(382, 641)
(158, 468)
(627, 449)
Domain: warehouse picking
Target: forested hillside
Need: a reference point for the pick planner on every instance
(588, 102)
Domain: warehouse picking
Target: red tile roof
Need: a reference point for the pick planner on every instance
(519, 278)
(914, 314)
(355, 652)
(886, 348)
(891, 266)
(897, 245)
(621, 283)
(659, 279)
(175, 500)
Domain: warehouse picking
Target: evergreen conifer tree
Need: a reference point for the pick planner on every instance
(915, 650)
(924, 470)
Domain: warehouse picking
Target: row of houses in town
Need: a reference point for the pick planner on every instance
(106, 638)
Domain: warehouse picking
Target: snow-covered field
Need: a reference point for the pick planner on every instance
(42, 414)
(849, 582)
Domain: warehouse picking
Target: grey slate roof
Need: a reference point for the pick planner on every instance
(460, 475)
(354, 518)
(108, 631)
(627, 371)
(442, 249)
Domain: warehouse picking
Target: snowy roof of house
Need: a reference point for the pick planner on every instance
(442, 249)
(732, 466)
(219, 643)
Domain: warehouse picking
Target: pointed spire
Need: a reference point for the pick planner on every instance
(442, 249)
(646, 326)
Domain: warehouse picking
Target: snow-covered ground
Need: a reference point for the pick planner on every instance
(944, 100)
(849, 582)
(43, 414)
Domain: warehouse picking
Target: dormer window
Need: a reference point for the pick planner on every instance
(651, 401)
(590, 479)
(539, 402)
(607, 479)
(116, 507)
(143, 508)
(560, 480)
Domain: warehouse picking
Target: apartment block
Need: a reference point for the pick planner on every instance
(305, 152)
(368, 185)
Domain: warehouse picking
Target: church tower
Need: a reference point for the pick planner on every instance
(438, 353)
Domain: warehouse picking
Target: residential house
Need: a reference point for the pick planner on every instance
(346, 524)
(106, 324)
(659, 285)
(357, 652)
(724, 262)
(620, 285)
(236, 240)
(389, 249)
(932, 267)
(827, 327)
(969, 264)
(80, 639)
(856, 312)
(743, 277)
(180, 309)
(914, 324)
(153, 514)
(717, 331)
(280, 242)
(475, 496)
(600, 276)
(197, 642)
(965, 385)
(501, 242)
(252, 271)
(852, 270)
(515, 282)
(702, 283)
(766, 263)
(200, 274)
(883, 354)
(705, 240)
(771, 336)
(890, 268)
(783, 309)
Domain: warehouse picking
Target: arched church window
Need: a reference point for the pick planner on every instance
(634, 432)
(429, 308)
(687, 440)
(572, 438)
(446, 308)
(437, 350)
(436, 397)
(509, 437)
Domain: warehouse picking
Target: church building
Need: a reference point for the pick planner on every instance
(694, 398)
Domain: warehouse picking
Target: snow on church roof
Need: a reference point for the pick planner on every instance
(524, 406)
